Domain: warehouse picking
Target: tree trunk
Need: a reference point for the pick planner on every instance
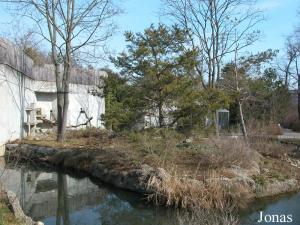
(160, 115)
(63, 103)
(60, 114)
(217, 124)
(244, 131)
(298, 83)
(298, 96)
(63, 211)
(66, 79)
(66, 208)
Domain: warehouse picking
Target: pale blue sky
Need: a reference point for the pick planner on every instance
(281, 18)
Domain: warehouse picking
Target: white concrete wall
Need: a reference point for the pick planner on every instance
(10, 107)
(42, 94)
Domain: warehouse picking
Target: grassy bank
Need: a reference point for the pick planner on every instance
(204, 172)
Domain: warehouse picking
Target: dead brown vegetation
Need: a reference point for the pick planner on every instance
(270, 147)
(198, 195)
(200, 159)
(258, 129)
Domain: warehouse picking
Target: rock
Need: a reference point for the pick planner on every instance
(189, 140)
(265, 170)
(14, 206)
(134, 179)
(161, 174)
(11, 146)
(39, 223)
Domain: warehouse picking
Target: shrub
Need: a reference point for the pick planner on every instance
(256, 128)
(273, 129)
(269, 148)
(296, 126)
(260, 180)
(225, 152)
(290, 119)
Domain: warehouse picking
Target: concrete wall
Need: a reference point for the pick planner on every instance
(42, 94)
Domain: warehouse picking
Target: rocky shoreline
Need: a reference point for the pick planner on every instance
(137, 179)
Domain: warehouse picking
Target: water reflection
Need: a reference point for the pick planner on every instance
(63, 203)
(280, 205)
(58, 199)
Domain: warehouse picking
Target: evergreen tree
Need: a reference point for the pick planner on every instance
(121, 103)
(160, 67)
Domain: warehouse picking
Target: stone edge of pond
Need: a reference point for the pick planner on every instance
(14, 206)
(137, 179)
(132, 179)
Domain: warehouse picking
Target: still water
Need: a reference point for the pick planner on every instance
(59, 199)
(282, 206)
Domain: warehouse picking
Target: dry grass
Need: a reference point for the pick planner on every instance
(270, 148)
(158, 148)
(201, 159)
(207, 217)
(212, 194)
(226, 152)
(258, 129)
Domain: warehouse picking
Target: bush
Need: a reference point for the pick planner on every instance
(268, 148)
(296, 126)
(223, 153)
(273, 129)
(290, 119)
(260, 180)
(257, 128)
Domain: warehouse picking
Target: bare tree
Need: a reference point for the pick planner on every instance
(234, 81)
(292, 54)
(291, 69)
(214, 28)
(72, 28)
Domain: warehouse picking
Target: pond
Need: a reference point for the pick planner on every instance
(56, 198)
(276, 207)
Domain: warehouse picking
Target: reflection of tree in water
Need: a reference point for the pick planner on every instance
(59, 199)
(115, 210)
(63, 213)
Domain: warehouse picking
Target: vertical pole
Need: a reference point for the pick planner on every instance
(22, 96)
(23, 189)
